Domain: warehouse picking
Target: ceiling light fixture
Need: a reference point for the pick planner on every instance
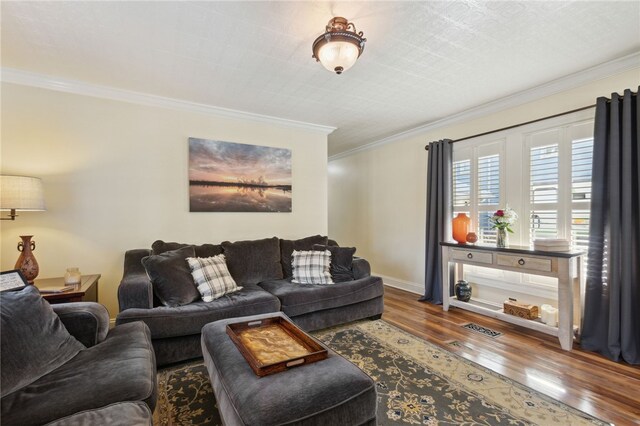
(340, 46)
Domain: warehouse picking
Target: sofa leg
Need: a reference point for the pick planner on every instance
(375, 317)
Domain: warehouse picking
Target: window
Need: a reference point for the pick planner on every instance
(560, 185)
(581, 160)
(549, 186)
(461, 185)
(543, 188)
(542, 171)
(488, 195)
(477, 187)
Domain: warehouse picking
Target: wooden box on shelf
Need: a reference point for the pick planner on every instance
(522, 310)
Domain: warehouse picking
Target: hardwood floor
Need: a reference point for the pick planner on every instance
(584, 380)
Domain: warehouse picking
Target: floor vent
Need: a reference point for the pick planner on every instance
(483, 330)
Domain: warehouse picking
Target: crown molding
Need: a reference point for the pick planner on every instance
(25, 78)
(553, 87)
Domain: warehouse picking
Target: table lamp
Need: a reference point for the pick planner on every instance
(22, 193)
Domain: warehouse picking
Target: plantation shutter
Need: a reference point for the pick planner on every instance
(581, 161)
(543, 186)
(488, 195)
(461, 185)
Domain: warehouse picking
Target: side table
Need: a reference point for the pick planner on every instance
(86, 291)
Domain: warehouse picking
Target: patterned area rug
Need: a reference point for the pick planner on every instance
(417, 383)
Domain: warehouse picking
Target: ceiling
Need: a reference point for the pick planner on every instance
(423, 60)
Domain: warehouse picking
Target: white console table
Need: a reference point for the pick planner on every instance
(567, 267)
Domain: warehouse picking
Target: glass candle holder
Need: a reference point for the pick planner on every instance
(72, 276)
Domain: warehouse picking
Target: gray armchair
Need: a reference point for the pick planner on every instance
(62, 364)
(86, 321)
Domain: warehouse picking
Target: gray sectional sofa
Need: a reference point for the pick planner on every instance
(263, 269)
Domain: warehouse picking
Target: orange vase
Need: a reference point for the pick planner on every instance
(461, 224)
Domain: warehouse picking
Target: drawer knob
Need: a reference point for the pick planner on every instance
(470, 255)
(521, 262)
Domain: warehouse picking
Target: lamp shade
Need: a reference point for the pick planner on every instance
(21, 193)
(338, 55)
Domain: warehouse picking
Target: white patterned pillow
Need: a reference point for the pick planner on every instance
(212, 276)
(311, 267)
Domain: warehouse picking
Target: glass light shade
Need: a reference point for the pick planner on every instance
(460, 226)
(21, 193)
(337, 54)
(340, 46)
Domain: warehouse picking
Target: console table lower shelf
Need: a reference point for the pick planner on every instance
(498, 313)
(566, 267)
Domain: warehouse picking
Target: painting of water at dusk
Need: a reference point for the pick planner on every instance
(236, 177)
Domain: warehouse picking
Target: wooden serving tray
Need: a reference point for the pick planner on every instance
(272, 345)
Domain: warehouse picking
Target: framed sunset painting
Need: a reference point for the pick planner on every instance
(236, 177)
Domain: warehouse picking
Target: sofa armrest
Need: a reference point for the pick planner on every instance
(361, 268)
(88, 322)
(135, 289)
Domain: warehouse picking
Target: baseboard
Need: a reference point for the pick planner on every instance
(401, 284)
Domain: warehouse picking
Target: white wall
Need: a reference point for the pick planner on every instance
(115, 178)
(377, 197)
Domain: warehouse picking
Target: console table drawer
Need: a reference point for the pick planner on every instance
(472, 256)
(524, 263)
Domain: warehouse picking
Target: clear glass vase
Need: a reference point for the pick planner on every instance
(72, 277)
(502, 239)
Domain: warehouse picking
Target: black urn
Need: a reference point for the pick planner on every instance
(463, 290)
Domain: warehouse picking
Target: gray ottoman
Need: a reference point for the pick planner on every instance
(329, 392)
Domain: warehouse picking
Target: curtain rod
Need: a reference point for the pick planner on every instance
(527, 122)
(518, 125)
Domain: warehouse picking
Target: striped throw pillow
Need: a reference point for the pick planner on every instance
(311, 267)
(212, 276)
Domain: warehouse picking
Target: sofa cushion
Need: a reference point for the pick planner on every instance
(171, 277)
(121, 368)
(311, 267)
(34, 341)
(341, 262)
(189, 319)
(119, 414)
(288, 246)
(298, 299)
(254, 261)
(204, 250)
(212, 276)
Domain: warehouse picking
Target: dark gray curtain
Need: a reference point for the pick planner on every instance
(612, 299)
(438, 216)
